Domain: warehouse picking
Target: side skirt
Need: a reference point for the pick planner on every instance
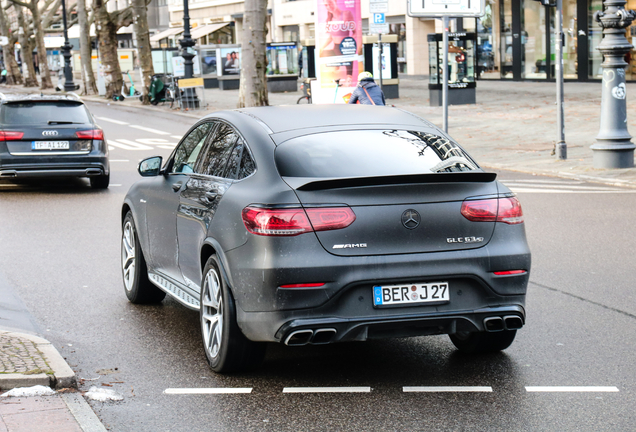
(183, 295)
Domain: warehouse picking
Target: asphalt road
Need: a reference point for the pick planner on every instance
(60, 253)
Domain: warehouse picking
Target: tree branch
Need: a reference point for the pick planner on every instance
(19, 3)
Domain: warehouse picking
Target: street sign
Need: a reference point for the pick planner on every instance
(449, 8)
(382, 7)
(379, 18)
(4, 40)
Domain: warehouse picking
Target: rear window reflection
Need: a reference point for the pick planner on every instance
(40, 113)
(365, 153)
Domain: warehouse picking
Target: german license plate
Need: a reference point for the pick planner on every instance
(411, 294)
(50, 145)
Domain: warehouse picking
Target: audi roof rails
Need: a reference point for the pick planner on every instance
(74, 95)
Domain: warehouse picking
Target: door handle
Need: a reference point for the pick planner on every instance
(211, 195)
(177, 186)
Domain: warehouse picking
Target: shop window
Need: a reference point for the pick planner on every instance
(487, 42)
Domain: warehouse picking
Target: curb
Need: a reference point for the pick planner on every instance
(63, 376)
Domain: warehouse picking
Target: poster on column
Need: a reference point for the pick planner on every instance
(338, 50)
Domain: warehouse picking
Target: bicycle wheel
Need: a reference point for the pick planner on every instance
(303, 100)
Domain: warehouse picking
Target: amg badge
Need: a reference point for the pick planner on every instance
(350, 246)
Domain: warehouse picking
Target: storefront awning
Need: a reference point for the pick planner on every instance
(166, 33)
(205, 30)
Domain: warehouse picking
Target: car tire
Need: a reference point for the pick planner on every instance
(226, 348)
(483, 342)
(100, 182)
(137, 286)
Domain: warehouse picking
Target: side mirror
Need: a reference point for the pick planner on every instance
(150, 167)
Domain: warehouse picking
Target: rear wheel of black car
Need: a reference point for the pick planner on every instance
(138, 287)
(483, 342)
(100, 182)
(225, 346)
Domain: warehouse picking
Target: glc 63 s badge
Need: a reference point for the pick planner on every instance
(464, 240)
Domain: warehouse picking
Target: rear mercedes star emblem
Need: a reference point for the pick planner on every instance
(411, 219)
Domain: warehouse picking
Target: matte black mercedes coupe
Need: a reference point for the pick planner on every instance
(320, 224)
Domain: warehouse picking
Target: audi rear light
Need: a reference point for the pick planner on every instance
(295, 221)
(507, 210)
(10, 136)
(93, 134)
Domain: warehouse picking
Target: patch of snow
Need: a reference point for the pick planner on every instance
(37, 390)
(103, 395)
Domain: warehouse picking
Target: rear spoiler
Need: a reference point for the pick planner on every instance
(319, 183)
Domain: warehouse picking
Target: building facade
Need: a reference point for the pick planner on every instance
(515, 38)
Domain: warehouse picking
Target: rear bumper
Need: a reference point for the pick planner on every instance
(332, 329)
(59, 169)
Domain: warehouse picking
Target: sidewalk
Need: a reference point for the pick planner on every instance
(512, 126)
(27, 361)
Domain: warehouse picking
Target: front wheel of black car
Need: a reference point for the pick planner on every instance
(100, 182)
(138, 287)
(225, 346)
(483, 342)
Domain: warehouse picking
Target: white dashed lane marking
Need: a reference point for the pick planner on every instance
(128, 145)
(572, 389)
(119, 160)
(185, 391)
(562, 187)
(151, 130)
(327, 390)
(110, 120)
(446, 389)
(175, 137)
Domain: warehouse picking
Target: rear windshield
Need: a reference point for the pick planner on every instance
(367, 153)
(41, 113)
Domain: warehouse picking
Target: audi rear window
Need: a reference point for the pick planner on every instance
(44, 113)
(370, 153)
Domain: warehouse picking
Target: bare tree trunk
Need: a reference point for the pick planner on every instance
(45, 74)
(27, 49)
(90, 87)
(253, 87)
(140, 13)
(14, 76)
(107, 25)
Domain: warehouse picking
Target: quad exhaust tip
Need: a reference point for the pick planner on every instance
(314, 337)
(510, 322)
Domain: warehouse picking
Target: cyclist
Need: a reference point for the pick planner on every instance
(367, 92)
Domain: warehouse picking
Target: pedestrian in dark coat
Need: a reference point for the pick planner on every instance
(367, 92)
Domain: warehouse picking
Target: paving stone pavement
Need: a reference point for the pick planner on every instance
(21, 355)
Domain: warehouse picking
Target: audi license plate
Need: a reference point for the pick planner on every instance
(411, 294)
(50, 145)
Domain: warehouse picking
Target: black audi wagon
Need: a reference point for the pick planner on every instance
(51, 136)
(321, 224)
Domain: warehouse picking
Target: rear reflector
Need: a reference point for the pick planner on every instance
(306, 285)
(507, 210)
(509, 272)
(11, 136)
(295, 221)
(95, 134)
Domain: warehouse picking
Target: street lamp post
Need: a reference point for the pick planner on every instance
(190, 99)
(69, 85)
(613, 148)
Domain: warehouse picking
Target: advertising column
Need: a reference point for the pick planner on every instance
(338, 50)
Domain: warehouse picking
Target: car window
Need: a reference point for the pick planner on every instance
(186, 154)
(41, 113)
(218, 151)
(365, 153)
(248, 167)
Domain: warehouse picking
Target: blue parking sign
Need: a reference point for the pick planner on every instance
(378, 18)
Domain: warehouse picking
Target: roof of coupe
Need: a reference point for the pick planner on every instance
(293, 117)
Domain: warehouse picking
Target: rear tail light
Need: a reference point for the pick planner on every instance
(10, 136)
(295, 221)
(507, 210)
(93, 134)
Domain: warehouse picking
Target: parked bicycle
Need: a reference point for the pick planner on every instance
(305, 86)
